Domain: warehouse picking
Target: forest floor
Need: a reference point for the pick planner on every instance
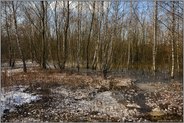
(54, 96)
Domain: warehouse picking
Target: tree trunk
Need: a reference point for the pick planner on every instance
(57, 36)
(17, 38)
(89, 37)
(43, 37)
(155, 38)
(35, 54)
(106, 47)
(11, 51)
(79, 35)
(177, 45)
(172, 42)
(95, 58)
(129, 35)
(65, 36)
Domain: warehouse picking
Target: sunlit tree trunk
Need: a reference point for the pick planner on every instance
(172, 41)
(96, 54)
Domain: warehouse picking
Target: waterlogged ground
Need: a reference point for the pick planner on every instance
(56, 97)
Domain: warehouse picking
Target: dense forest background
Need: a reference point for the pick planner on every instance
(121, 35)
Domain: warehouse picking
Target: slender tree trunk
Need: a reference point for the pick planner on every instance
(130, 33)
(155, 38)
(11, 51)
(57, 36)
(110, 51)
(35, 54)
(182, 35)
(95, 58)
(79, 35)
(106, 47)
(177, 45)
(103, 40)
(31, 47)
(66, 36)
(143, 44)
(43, 37)
(172, 42)
(89, 37)
(17, 38)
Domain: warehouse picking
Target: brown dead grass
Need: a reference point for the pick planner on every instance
(36, 76)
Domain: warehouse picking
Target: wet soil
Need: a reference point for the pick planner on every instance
(73, 97)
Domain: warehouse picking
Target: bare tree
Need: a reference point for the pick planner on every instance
(106, 45)
(43, 36)
(177, 41)
(31, 34)
(130, 32)
(106, 37)
(17, 37)
(172, 41)
(79, 34)
(65, 46)
(155, 36)
(96, 54)
(11, 49)
(89, 37)
(57, 35)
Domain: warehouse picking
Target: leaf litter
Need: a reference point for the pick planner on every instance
(82, 99)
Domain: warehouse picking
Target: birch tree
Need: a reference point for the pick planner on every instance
(79, 34)
(17, 36)
(172, 41)
(129, 35)
(96, 54)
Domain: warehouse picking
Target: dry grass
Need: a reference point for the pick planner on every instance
(35, 76)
